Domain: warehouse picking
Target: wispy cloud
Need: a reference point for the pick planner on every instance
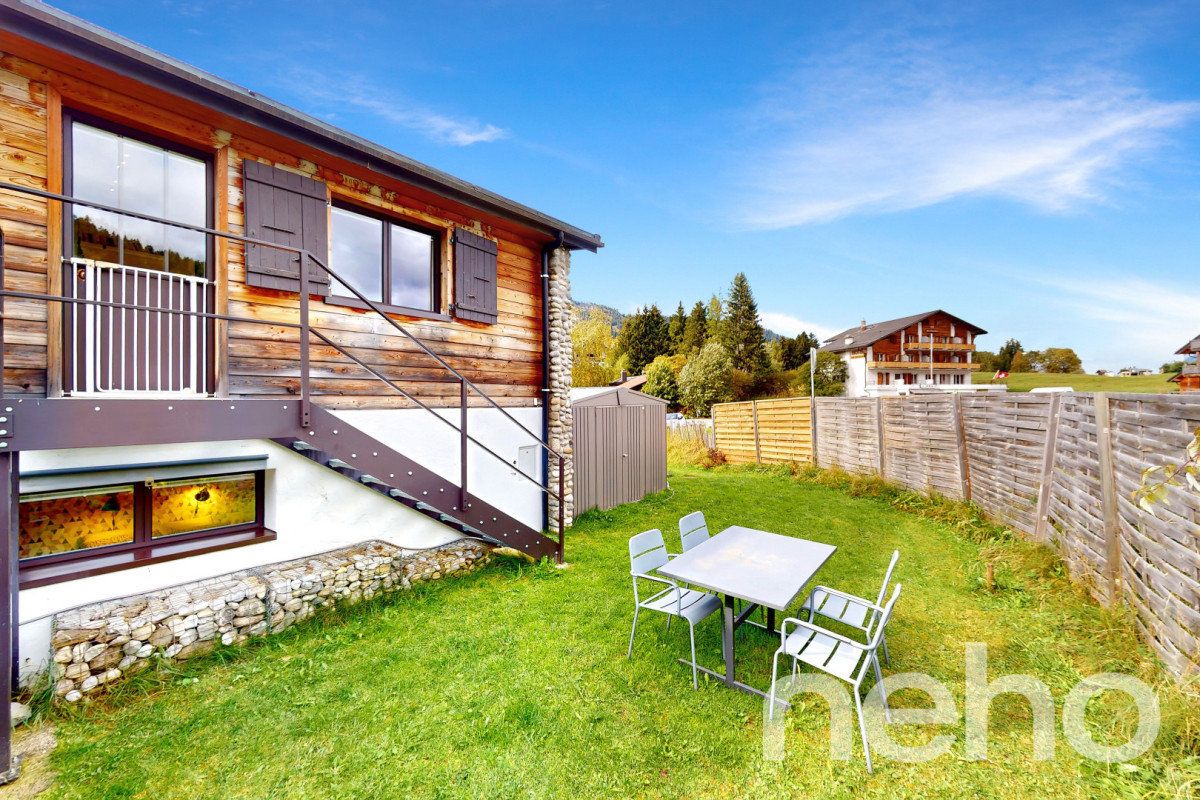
(1142, 316)
(789, 325)
(335, 94)
(898, 122)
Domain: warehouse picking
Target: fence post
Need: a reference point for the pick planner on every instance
(1046, 485)
(1108, 498)
(754, 418)
(812, 424)
(964, 466)
(879, 433)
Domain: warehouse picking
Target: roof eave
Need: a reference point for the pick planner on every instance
(52, 28)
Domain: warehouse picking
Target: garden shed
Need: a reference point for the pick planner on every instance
(620, 446)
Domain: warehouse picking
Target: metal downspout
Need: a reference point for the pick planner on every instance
(546, 250)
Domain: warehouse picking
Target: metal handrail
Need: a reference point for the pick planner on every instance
(305, 328)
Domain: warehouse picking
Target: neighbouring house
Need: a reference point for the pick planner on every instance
(1189, 377)
(923, 352)
(205, 437)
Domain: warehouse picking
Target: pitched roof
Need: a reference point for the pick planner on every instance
(61, 31)
(861, 337)
(1191, 347)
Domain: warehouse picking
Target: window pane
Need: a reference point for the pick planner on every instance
(94, 163)
(357, 253)
(412, 268)
(130, 174)
(193, 504)
(59, 522)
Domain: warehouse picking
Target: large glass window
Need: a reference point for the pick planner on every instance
(127, 173)
(82, 519)
(73, 532)
(388, 262)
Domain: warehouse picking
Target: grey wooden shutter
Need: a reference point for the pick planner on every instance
(474, 277)
(285, 208)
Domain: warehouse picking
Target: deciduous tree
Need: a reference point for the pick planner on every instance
(592, 347)
(706, 379)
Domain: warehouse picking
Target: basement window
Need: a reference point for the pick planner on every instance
(76, 532)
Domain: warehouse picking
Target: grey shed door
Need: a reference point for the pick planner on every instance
(620, 454)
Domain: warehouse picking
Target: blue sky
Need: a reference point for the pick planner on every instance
(1033, 170)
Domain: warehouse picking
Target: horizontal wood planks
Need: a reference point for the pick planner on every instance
(775, 431)
(503, 358)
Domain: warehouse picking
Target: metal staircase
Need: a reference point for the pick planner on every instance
(339, 446)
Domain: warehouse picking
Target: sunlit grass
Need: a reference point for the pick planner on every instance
(513, 682)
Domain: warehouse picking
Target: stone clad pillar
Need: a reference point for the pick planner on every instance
(559, 400)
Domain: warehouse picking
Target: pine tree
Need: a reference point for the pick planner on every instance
(643, 338)
(742, 332)
(695, 330)
(675, 328)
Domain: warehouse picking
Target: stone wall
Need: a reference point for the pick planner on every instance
(562, 318)
(99, 644)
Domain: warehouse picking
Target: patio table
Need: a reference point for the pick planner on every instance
(764, 569)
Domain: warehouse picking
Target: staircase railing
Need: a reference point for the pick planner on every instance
(303, 256)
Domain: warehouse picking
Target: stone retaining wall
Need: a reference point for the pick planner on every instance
(99, 644)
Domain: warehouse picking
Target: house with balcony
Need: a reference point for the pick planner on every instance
(236, 336)
(1189, 377)
(931, 351)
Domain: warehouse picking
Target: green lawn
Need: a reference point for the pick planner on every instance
(513, 682)
(1024, 381)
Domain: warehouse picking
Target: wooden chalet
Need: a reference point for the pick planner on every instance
(213, 300)
(1189, 377)
(932, 350)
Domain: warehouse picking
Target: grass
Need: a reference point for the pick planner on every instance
(1142, 384)
(513, 682)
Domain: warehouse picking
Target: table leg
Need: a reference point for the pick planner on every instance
(727, 639)
(771, 620)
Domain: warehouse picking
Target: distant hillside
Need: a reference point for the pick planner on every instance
(618, 318)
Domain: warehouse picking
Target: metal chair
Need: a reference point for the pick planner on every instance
(838, 656)
(648, 552)
(692, 530)
(849, 609)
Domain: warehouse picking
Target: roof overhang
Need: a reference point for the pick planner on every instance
(60, 31)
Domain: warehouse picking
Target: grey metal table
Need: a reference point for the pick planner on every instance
(764, 569)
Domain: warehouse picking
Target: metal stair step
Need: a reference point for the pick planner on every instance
(303, 446)
(337, 463)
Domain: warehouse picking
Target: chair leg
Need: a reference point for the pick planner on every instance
(887, 659)
(629, 652)
(774, 670)
(862, 727)
(692, 635)
(668, 623)
(882, 694)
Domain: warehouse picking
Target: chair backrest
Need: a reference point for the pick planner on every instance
(647, 552)
(885, 616)
(887, 578)
(692, 530)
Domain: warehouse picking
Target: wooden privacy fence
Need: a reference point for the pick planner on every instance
(764, 431)
(1061, 469)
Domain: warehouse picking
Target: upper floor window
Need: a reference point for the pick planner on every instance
(388, 262)
(120, 169)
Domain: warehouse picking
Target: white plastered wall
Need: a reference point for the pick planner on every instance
(435, 446)
(856, 378)
(312, 509)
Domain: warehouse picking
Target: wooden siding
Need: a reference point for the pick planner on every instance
(504, 358)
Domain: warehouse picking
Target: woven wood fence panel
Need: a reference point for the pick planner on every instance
(1160, 552)
(1076, 509)
(848, 433)
(1006, 454)
(920, 444)
(764, 431)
